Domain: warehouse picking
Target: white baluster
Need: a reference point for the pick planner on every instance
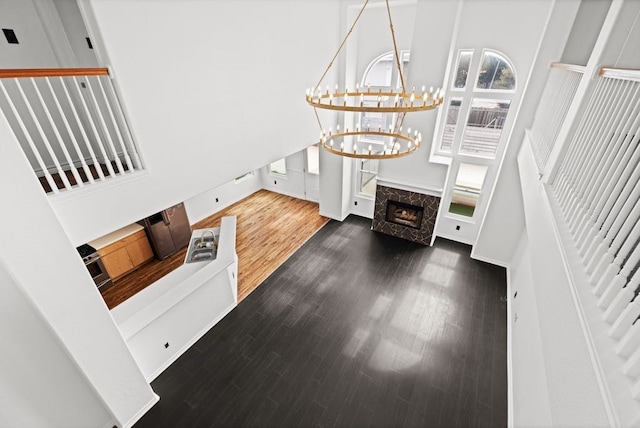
(632, 366)
(629, 342)
(137, 163)
(599, 260)
(606, 279)
(105, 133)
(94, 130)
(592, 162)
(618, 304)
(27, 135)
(611, 291)
(635, 390)
(116, 128)
(620, 246)
(56, 132)
(622, 324)
(76, 145)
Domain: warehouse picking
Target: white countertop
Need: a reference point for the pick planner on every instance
(115, 236)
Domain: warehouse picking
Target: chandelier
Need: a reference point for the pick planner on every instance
(391, 142)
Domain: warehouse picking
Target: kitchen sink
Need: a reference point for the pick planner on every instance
(202, 249)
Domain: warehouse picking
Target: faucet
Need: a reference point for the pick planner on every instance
(201, 244)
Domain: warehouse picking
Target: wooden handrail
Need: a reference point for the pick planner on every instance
(621, 73)
(52, 72)
(569, 67)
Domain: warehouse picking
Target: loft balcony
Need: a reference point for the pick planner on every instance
(70, 126)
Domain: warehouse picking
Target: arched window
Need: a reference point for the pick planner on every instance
(382, 73)
(477, 112)
(473, 129)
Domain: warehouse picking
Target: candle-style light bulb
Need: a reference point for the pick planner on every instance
(369, 148)
(331, 143)
(342, 146)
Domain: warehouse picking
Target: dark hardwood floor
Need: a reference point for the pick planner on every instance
(355, 329)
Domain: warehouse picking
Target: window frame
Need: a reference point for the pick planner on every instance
(466, 96)
(456, 156)
(278, 173)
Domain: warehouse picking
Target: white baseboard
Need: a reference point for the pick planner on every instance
(140, 413)
(489, 260)
(453, 238)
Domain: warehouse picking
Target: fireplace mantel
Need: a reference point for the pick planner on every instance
(433, 191)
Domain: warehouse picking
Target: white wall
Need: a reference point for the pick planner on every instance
(515, 30)
(426, 67)
(585, 31)
(45, 265)
(575, 395)
(503, 220)
(293, 183)
(76, 33)
(218, 198)
(33, 49)
(41, 386)
(433, 32)
(228, 80)
(530, 391)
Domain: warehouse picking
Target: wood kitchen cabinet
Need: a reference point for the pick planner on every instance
(126, 254)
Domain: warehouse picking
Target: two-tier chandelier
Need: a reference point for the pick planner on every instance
(393, 141)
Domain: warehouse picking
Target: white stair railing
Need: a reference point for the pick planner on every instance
(556, 98)
(598, 192)
(70, 125)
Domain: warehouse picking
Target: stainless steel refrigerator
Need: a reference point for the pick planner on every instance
(168, 230)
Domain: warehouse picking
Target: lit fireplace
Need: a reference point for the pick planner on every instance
(413, 219)
(404, 214)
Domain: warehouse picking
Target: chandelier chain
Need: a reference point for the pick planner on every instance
(342, 44)
(395, 47)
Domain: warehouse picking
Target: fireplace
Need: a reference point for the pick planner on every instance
(404, 214)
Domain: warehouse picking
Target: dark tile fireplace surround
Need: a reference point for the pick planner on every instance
(405, 214)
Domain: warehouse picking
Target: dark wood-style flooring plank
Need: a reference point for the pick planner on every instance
(356, 329)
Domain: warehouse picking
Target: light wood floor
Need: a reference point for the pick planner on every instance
(270, 228)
